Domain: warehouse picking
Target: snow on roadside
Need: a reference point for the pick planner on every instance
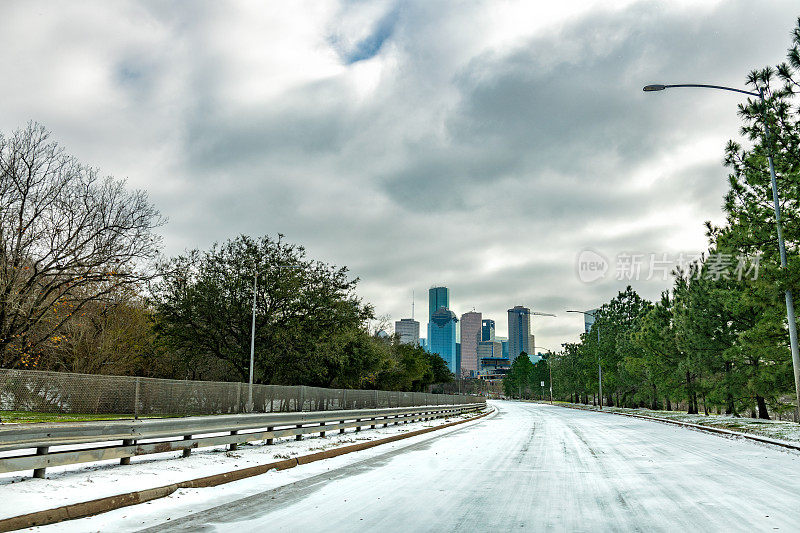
(23, 494)
(773, 429)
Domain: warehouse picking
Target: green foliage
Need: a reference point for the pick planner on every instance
(310, 326)
(524, 379)
(716, 340)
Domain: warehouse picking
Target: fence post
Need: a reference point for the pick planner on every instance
(136, 400)
(302, 397)
(344, 398)
(239, 398)
(39, 472)
(376, 401)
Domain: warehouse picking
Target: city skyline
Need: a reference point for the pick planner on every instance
(488, 188)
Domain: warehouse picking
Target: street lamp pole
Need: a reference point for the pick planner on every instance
(599, 366)
(777, 206)
(249, 406)
(537, 313)
(549, 368)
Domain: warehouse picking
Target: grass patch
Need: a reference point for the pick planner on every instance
(30, 417)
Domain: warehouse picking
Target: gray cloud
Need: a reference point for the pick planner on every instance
(398, 138)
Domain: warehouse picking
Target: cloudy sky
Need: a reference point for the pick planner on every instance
(478, 144)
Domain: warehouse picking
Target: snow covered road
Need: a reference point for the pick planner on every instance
(529, 467)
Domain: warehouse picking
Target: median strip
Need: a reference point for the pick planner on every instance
(102, 505)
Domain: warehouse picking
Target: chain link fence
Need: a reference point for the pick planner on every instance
(61, 392)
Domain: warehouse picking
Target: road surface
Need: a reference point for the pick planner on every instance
(529, 467)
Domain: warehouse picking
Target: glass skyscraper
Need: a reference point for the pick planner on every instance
(437, 297)
(519, 331)
(442, 338)
(487, 329)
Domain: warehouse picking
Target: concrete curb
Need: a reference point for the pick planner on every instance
(709, 429)
(102, 505)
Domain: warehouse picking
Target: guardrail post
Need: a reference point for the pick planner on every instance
(232, 446)
(136, 400)
(342, 429)
(322, 433)
(39, 472)
(187, 451)
(299, 436)
(373, 424)
(270, 441)
(127, 442)
(358, 428)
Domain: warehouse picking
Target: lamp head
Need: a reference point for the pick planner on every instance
(654, 87)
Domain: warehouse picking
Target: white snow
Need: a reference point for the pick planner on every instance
(529, 467)
(782, 430)
(21, 494)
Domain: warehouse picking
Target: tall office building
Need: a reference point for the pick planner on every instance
(490, 350)
(442, 338)
(471, 325)
(588, 320)
(487, 329)
(503, 344)
(408, 331)
(438, 297)
(519, 331)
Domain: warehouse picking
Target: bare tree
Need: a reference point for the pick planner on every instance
(68, 237)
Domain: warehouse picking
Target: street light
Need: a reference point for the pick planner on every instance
(781, 246)
(549, 368)
(548, 362)
(599, 366)
(249, 406)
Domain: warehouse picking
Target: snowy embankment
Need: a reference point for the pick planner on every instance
(22, 494)
(772, 429)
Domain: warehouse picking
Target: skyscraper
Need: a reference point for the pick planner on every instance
(438, 297)
(470, 335)
(519, 331)
(487, 329)
(442, 338)
(408, 330)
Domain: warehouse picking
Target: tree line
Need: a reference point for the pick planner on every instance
(717, 339)
(85, 288)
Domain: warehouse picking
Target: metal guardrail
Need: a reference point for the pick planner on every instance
(142, 437)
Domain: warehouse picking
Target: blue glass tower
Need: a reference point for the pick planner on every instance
(438, 297)
(487, 329)
(442, 339)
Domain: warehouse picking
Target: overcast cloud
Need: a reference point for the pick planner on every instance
(479, 145)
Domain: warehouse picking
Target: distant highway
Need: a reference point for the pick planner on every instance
(530, 467)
